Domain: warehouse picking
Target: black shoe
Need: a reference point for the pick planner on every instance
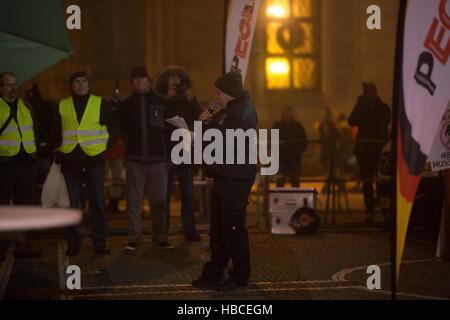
(131, 247)
(231, 285)
(205, 283)
(164, 245)
(193, 236)
(102, 251)
(72, 252)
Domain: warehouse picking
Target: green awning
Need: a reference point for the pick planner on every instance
(33, 36)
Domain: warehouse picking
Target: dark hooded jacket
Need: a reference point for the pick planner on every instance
(177, 105)
(239, 114)
(372, 116)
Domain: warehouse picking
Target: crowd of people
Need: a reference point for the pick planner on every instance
(85, 132)
(91, 137)
(345, 144)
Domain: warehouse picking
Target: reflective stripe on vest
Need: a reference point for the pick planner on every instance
(11, 138)
(89, 134)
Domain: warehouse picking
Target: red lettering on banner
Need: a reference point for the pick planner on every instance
(245, 29)
(435, 45)
(445, 18)
(440, 50)
(241, 52)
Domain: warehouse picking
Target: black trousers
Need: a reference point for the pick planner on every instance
(18, 183)
(94, 180)
(17, 187)
(368, 165)
(228, 235)
(289, 170)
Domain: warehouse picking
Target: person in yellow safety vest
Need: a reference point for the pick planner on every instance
(88, 128)
(17, 149)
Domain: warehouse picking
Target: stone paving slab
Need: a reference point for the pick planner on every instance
(327, 266)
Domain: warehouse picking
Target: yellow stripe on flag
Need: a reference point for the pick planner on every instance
(403, 214)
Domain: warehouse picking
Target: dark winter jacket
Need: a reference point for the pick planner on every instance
(143, 123)
(239, 114)
(372, 116)
(292, 140)
(177, 105)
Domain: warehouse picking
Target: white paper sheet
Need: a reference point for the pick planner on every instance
(178, 122)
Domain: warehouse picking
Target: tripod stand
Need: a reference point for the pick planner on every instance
(335, 186)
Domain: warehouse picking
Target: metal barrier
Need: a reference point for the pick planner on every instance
(333, 179)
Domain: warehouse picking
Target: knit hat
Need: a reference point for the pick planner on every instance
(139, 72)
(78, 74)
(230, 84)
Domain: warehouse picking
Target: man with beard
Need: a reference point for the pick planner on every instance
(174, 84)
(17, 150)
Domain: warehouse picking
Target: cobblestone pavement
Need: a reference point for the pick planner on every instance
(328, 266)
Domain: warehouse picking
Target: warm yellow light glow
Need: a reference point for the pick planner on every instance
(303, 73)
(277, 73)
(272, 45)
(302, 8)
(279, 67)
(276, 11)
(307, 44)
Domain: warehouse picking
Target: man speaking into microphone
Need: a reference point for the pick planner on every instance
(230, 191)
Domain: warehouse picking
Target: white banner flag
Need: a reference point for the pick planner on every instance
(241, 23)
(426, 68)
(426, 92)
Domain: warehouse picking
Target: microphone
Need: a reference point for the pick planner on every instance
(212, 107)
(116, 87)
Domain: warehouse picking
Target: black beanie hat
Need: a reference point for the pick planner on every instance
(78, 74)
(230, 84)
(139, 72)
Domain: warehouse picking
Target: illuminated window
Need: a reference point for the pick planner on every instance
(278, 8)
(291, 44)
(304, 69)
(278, 73)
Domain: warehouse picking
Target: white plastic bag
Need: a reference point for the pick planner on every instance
(54, 190)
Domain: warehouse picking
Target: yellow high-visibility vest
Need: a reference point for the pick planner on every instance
(16, 133)
(89, 134)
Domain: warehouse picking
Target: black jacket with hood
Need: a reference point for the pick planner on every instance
(177, 105)
(239, 114)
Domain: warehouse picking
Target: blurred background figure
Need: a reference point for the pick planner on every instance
(372, 116)
(114, 174)
(345, 161)
(45, 119)
(293, 142)
(328, 135)
(175, 85)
